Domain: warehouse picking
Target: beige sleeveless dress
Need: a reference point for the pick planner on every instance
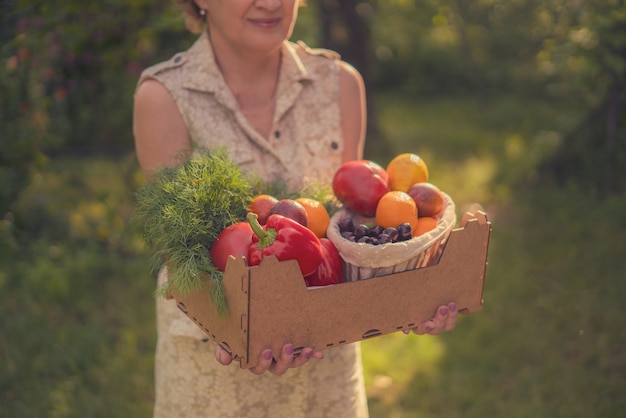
(305, 144)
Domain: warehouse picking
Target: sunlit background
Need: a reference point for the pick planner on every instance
(516, 105)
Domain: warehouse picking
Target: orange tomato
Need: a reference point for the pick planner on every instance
(395, 208)
(318, 217)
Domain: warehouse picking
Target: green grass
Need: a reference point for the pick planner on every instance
(77, 316)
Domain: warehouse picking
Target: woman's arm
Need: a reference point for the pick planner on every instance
(353, 111)
(161, 136)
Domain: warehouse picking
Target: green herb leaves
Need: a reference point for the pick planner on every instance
(181, 212)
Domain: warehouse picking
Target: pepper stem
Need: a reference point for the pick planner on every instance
(266, 236)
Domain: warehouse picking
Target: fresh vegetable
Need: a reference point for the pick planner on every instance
(330, 270)
(287, 240)
(234, 240)
(359, 185)
(182, 210)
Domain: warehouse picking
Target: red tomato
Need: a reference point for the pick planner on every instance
(234, 240)
(359, 185)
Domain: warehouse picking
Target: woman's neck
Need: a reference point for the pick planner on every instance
(252, 76)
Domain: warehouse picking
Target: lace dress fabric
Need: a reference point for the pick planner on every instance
(305, 146)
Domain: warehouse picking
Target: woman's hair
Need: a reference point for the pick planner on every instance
(193, 19)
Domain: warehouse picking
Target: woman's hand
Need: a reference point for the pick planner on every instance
(287, 359)
(444, 320)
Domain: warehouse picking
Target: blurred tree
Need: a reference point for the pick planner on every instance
(344, 27)
(67, 76)
(592, 55)
(7, 8)
(21, 119)
(84, 61)
(559, 50)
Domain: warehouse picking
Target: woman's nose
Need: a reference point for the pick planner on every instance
(270, 5)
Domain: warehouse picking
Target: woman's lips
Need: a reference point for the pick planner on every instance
(265, 22)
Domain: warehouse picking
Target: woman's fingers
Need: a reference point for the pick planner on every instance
(288, 359)
(223, 356)
(264, 363)
(452, 317)
(440, 320)
(280, 366)
(444, 320)
(423, 328)
(302, 358)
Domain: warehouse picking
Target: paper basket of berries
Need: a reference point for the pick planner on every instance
(392, 219)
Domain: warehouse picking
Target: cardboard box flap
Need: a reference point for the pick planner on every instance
(230, 330)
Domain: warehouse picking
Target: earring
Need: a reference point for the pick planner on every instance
(202, 12)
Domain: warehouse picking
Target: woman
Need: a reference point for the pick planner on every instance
(285, 111)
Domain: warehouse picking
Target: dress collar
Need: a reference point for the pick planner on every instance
(205, 75)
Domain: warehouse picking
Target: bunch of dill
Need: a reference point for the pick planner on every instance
(181, 211)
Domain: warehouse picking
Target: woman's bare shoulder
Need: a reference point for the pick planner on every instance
(350, 80)
(352, 105)
(160, 132)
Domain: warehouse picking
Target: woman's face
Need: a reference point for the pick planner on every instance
(259, 25)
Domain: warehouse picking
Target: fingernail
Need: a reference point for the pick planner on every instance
(428, 329)
(452, 307)
(289, 349)
(267, 355)
(443, 311)
(308, 354)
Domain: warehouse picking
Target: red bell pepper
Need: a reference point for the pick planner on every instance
(287, 240)
(330, 270)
